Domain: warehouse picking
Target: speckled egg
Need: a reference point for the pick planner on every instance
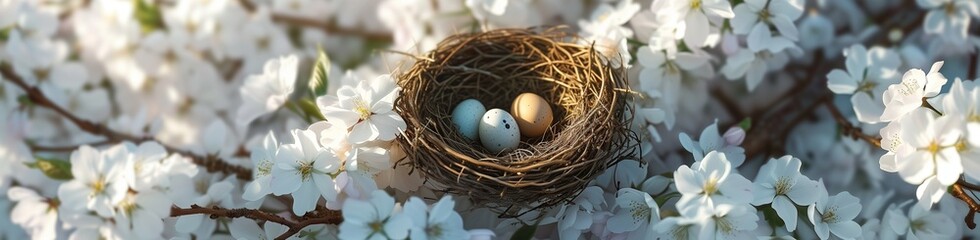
(498, 131)
(466, 118)
(532, 113)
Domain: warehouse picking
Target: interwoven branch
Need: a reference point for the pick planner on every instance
(34, 94)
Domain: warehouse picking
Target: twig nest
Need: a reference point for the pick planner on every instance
(588, 100)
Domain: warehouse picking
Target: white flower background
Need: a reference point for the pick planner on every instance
(262, 119)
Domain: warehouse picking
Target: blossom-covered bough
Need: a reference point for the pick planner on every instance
(275, 120)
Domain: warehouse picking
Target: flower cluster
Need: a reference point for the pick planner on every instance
(939, 148)
(255, 119)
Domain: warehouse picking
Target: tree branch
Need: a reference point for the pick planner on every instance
(325, 26)
(957, 191)
(850, 130)
(34, 94)
(322, 216)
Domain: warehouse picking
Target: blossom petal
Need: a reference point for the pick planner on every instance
(697, 29)
(846, 230)
(786, 211)
(840, 82)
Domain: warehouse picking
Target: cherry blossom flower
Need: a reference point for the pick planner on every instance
(367, 110)
(835, 214)
(869, 73)
(576, 217)
(636, 214)
(920, 223)
(98, 183)
(781, 184)
(305, 170)
(142, 213)
(38, 215)
(949, 18)
(263, 161)
(374, 218)
(266, 92)
(902, 98)
(697, 18)
(604, 31)
(935, 154)
(440, 222)
(711, 140)
(729, 222)
(710, 184)
(755, 18)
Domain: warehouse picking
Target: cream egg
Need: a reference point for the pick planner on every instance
(466, 118)
(498, 131)
(532, 113)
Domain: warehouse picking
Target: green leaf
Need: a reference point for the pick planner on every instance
(525, 233)
(321, 71)
(310, 109)
(53, 168)
(148, 16)
(771, 217)
(745, 124)
(5, 33)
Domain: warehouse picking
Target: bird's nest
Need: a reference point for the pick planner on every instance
(588, 97)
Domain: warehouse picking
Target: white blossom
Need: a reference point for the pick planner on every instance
(835, 214)
(374, 218)
(367, 110)
(305, 170)
(710, 184)
(781, 184)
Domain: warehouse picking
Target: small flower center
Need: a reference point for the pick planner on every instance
(783, 186)
(933, 147)
(696, 4)
(263, 42)
(376, 226)
(264, 168)
(711, 186)
(98, 187)
(434, 231)
(917, 225)
(42, 73)
(639, 211)
(961, 145)
(950, 8)
(680, 232)
(764, 15)
(362, 109)
(867, 86)
(830, 216)
(973, 118)
(305, 170)
(724, 225)
(128, 205)
(910, 85)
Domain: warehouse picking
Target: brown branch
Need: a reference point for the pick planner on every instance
(322, 216)
(34, 94)
(40, 148)
(957, 191)
(847, 129)
(325, 26)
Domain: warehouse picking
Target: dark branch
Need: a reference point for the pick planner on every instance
(34, 94)
(322, 216)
